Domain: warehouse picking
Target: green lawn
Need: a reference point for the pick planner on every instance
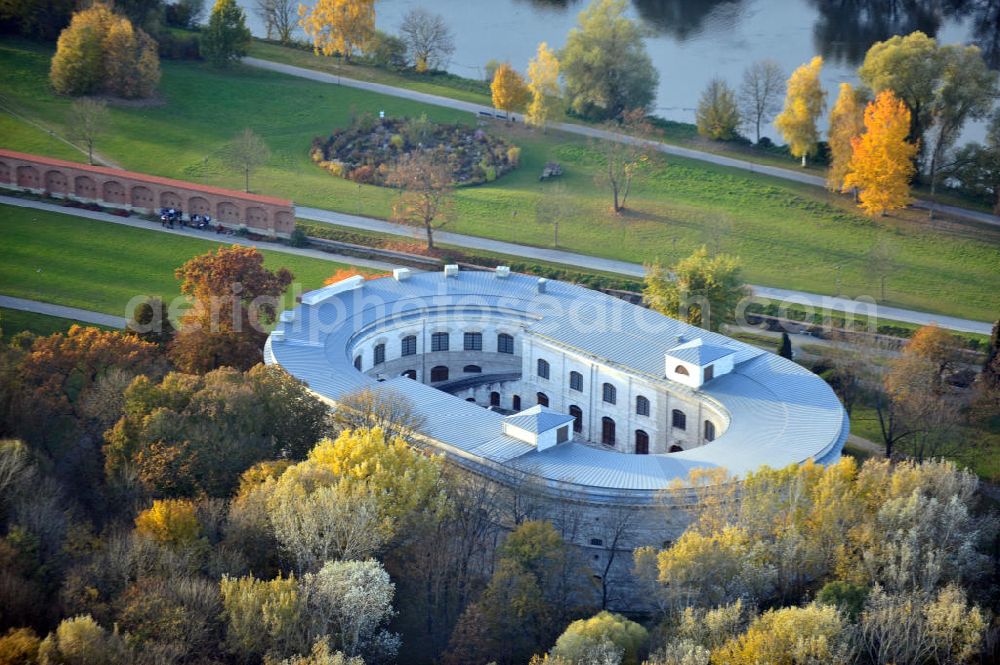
(13, 321)
(788, 235)
(100, 266)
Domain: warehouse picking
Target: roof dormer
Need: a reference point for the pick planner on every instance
(540, 426)
(695, 363)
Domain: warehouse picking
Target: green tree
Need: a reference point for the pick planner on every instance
(967, 90)
(77, 67)
(785, 348)
(37, 19)
(150, 322)
(911, 67)
(702, 290)
(103, 52)
(718, 116)
(583, 634)
(227, 37)
(605, 65)
(976, 167)
(193, 434)
(805, 100)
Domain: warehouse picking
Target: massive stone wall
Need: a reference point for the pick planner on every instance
(143, 193)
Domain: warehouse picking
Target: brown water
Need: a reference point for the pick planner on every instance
(691, 41)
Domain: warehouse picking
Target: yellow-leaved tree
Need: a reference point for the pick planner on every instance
(805, 101)
(509, 90)
(810, 634)
(847, 121)
(170, 521)
(339, 26)
(882, 162)
(543, 84)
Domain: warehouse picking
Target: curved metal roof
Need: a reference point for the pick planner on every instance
(778, 412)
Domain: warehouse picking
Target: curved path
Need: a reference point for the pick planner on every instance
(74, 313)
(633, 269)
(535, 253)
(595, 132)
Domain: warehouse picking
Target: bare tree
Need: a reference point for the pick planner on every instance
(279, 17)
(88, 120)
(425, 183)
(555, 206)
(389, 410)
(619, 528)
(624, 157)
(880, 263)
(428, 39)
(245, 153)
(761, 93)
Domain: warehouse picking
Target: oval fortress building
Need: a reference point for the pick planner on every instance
(514, 375)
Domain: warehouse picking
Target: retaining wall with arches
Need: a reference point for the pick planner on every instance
(143, 193)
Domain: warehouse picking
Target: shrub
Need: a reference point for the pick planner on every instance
(179, 46)
(388, 51)
(298, 238)
(514, 155)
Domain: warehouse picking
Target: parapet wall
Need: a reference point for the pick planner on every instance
(143, 193)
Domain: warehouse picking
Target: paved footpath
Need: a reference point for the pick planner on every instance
(84, 315)
(595, 132)
(194, 233)
(535, 253)
(634, 269)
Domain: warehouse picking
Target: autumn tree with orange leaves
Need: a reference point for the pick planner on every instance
(235, 299)
(882, 160)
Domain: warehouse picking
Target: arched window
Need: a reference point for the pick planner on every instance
(357, 363)
(410, 374)
(641, 406)
(439, 373)
(543, 399)
(709, 431)
(641, 442)
(610, 394)
(505, 343)
(408, 346)
(543, 368)
(577, 414)
(473, 341)
(678, 419)
(675, 449)
(575, 381)
(439, 341)
(681, 369)
(515, 402)
(494, 398)
(607, 431)
(379, 354)
(472, 369)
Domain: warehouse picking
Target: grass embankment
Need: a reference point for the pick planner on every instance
(788, 235)
(13, 321)
(100, 266)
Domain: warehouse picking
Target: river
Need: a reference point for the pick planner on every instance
(692, 41)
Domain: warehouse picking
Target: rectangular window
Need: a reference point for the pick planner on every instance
(473, 341)
(575, 381)
(409, 346)
(379, 354)
(505, 343)
(596, 542)
(439, 342)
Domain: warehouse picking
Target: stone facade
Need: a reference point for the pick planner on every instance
(145, 194)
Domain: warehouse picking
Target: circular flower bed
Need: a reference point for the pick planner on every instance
(366, 152)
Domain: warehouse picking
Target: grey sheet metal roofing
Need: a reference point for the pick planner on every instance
(698, 352)
(538, 419)
(777, 412)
